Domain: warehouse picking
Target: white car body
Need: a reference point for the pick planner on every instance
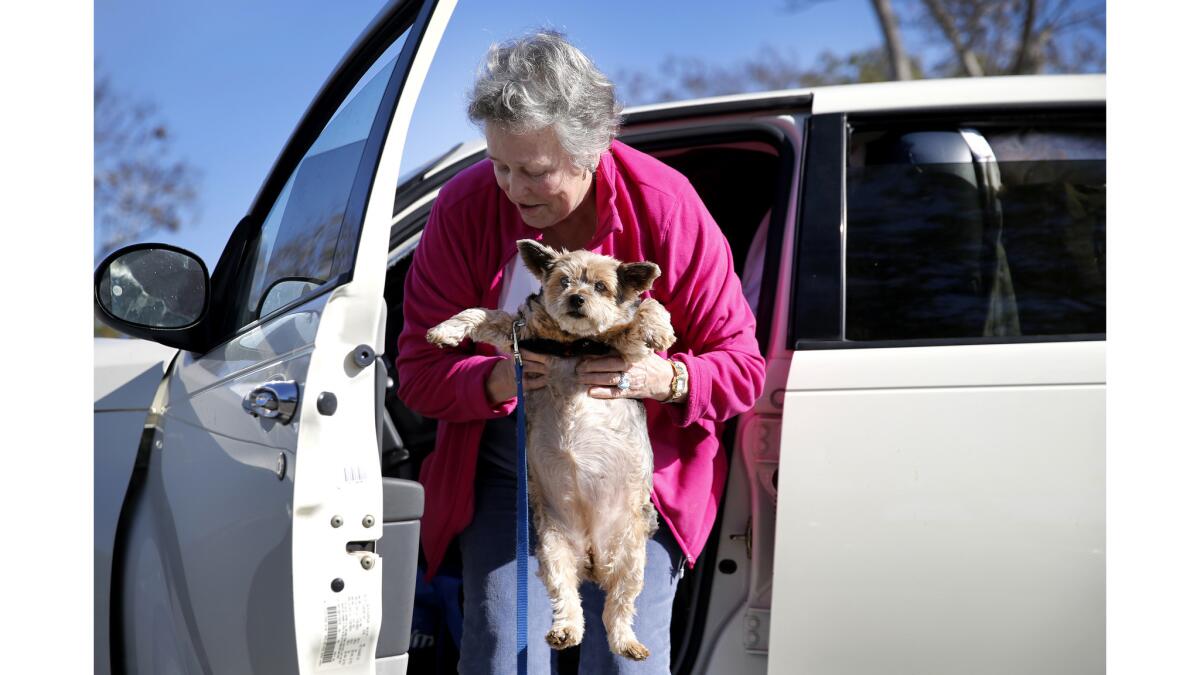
(127, 374)
(889, 508)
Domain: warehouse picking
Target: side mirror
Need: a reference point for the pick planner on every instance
(153, 291)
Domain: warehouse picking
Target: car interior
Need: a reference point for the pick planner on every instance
(737, 177)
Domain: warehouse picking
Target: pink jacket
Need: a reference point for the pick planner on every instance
(645, 211)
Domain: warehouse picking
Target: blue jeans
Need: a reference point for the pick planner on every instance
(490, 595)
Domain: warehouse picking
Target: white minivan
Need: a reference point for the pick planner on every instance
(920, 488)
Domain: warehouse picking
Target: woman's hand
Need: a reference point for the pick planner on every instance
(649, 377)
(501, 383)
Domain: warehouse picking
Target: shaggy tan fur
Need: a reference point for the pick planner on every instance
(590, 464)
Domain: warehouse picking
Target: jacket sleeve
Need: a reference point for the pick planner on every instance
(713, 323)
(446, 384)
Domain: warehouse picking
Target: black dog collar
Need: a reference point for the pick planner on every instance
(581, 347)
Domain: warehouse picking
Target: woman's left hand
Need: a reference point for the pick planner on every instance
(649, 377)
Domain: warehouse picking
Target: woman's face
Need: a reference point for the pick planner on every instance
(536, 174)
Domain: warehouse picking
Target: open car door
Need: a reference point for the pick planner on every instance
(256, 536)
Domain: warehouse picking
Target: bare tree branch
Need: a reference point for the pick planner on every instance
(1065, 36)
(771, 69)
(139, 186)
(966, 55)
(891, 39)
(1026, 44)
(1077, 19)
(1055, 14)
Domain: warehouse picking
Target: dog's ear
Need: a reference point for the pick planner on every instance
(539, 259)
(636, 278)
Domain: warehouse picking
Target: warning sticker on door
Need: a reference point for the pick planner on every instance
(347, 632)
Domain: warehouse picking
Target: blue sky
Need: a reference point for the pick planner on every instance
(232, 78)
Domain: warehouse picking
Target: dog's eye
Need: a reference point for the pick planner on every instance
(600, 287)
(566, 281)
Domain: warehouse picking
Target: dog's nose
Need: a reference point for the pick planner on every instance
(576, 301)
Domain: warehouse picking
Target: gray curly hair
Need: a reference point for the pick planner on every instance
(541, 80)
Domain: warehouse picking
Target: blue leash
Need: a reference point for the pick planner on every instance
(522, 515)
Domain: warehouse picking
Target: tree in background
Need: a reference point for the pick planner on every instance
(959, 38)
(140, 187)
(681, 78)
(898, 60)
(1014, 37)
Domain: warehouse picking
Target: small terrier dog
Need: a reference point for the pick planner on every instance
(590, 464)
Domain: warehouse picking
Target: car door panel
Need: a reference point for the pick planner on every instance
(946, 510)
(225, 554)
(223, 543)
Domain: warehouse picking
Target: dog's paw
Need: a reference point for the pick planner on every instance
(447, 334)
(655, 324)
(632, 650)
(565, 635)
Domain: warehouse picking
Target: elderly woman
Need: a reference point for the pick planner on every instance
(554, 172)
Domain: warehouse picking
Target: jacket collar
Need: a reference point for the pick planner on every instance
(608, 219)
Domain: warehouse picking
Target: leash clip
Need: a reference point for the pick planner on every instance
(519, 323)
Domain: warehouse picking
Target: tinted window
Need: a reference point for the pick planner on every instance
(294, 253)
(975, 232)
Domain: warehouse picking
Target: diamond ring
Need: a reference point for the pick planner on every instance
(623, 383)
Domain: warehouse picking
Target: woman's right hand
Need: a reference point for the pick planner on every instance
(501, 383)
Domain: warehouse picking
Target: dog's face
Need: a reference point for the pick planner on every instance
(584, 292)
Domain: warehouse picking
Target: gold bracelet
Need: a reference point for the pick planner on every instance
(679, 382)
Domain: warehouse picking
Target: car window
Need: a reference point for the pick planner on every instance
(975, 231)
(293, 253)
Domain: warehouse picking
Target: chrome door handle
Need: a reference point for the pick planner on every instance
(273, 400)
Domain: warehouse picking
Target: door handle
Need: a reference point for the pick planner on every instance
(273, 400)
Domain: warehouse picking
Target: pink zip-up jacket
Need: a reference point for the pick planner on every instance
(645, 211)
